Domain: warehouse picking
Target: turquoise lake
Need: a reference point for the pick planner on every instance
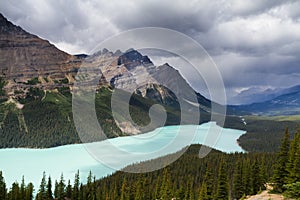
(16, 162)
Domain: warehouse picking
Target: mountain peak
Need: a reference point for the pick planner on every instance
(6, 27)
(25, 56)
(2, 17)
(132, 58)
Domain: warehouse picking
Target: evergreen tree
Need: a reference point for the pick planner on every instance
(291, 178)
(165, 192)
(139, 193)
(23, 188)
(81, 193)
(14, 193)
(29, 191)
(256, 181)
(56, 189)
(238, 186)
(263, 174)
(209, 181)
(223, 186)
(61, 188)
(42, 193)
(296, 170)
(49, 189)
(203, 192)
(3, 190)
(180, 194)
(247, 179)
(124, 191)
(94, 190)
(189, 193)
(89, 187)
(280, 172)
(115, 194)
(75, 193)
(157, 188)
(68, 190)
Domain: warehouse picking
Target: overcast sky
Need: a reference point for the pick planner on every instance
(255, 43)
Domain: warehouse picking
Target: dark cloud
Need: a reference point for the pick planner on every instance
(253, 42)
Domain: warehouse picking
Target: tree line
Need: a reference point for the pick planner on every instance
(286, 177)
(217, 176)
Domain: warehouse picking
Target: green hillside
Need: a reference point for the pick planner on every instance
(46, 119)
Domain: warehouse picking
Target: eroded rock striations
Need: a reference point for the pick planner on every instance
(24, 56)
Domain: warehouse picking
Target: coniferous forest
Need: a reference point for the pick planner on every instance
(216, 176)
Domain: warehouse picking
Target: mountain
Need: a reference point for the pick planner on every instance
(24, 55)
(257, 94)
(37, 82)
(286, 104)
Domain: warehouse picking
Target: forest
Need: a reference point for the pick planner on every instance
(216, 176)
(46, 120)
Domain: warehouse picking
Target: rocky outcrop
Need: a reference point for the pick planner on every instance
(24, 56)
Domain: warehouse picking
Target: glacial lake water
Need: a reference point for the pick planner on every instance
(16, 162)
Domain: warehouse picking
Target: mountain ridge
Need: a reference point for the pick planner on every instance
(37, 81)
(258, 95)
(286, 104)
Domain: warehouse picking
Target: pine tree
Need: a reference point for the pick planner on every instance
(49, 189)
(124, 191)
(157, 188)
(223, 186)
(75, 193)
(189, 195)
(209, 181)
(296, 169)
(165, 192)
(89, 187)
(256, 181)
(180, 193)
(291, 178)
(203, 192)
(280, 172)
(3, 190)
(81, 193)
(115, 194)
(238, 186)
(61, 188)
(42, 193)
(14, 192)
(94, 190)
(56, 189)
(23, 188)
(139, 193)
(247, 179)
(263, 174)
(68, 190)
(29, 192)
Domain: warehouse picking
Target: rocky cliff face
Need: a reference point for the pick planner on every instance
(24, 56)
(135, 73)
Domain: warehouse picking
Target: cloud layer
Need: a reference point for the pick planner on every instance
(254, 43)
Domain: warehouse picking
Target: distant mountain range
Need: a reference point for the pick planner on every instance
(285, 104)
(257, 94)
